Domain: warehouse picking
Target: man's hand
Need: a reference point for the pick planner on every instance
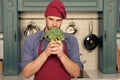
(54, 48)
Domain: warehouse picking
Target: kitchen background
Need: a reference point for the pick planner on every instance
(81, 20)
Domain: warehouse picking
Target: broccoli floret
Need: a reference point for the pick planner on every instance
(55, 34)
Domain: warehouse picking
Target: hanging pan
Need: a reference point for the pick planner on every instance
(91, 41)
(31, 28)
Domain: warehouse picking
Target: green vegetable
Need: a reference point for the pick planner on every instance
(55, 34)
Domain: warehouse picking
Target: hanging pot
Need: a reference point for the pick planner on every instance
(91, 41)
(31, 28)
(71, 28)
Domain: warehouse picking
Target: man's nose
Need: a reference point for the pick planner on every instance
(54, 23)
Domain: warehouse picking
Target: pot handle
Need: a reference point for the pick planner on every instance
(91, 27)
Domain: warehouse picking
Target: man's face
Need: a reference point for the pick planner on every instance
(52, 21)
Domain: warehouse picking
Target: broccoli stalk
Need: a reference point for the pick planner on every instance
(55, 34)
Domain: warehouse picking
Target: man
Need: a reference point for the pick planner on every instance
(38, 54)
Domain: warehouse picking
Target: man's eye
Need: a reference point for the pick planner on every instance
(59, 20)
(50, 19)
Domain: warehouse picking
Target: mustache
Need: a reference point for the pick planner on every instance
(52, 27)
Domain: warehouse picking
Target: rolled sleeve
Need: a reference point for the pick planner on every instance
(30, 48)
(27, 53)
(73, 50)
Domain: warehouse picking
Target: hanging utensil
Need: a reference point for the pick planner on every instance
(71, 28)
(91, 41)
(31, 28)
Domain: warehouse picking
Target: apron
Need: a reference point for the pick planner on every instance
(53, 68)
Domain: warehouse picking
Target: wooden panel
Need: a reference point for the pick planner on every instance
(71, 5)
(107, 34)
(118, 28)
(11, 43)
(1, 25)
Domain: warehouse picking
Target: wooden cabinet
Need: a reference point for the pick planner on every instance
(11, 38)
(71, 5)
(107, 37)
(1, 23)
(118, 28)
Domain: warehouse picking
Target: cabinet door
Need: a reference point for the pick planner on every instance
(71, 5)
(1, 26)
(118, 27)
(107, 35)
(11, 40)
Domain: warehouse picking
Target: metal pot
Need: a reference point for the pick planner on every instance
(91, 41)
(31, 28)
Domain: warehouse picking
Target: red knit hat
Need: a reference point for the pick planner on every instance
(56, 8)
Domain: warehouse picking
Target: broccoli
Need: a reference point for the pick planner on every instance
(55, 34)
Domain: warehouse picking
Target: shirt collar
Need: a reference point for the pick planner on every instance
(42, 35)
(44, 41)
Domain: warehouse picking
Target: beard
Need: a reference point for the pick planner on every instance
(48, 27)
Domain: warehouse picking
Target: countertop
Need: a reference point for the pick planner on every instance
(93, 75)
(97, 75)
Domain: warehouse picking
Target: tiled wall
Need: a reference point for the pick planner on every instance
(81, 21)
